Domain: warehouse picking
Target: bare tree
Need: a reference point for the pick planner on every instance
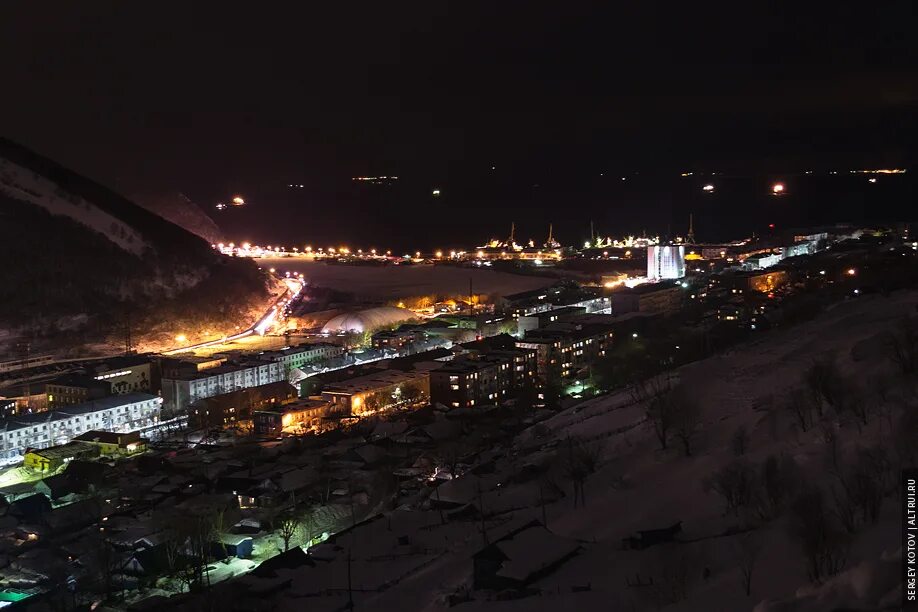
(802, 404)
(823, 543)
(856, 403)
(308, 528)
(746, 552)
(903, 346)
(653, 393)
(778, 481)
(104, 563)
(826, 382)
(686, 417)
(734, 483)
(859, 488)
(288, 526)
(580, 459)
(740, 441)
(829, 436)
(172, 540)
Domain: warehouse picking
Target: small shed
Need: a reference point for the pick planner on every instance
(30, 508)
(521, 557)
(232, 545)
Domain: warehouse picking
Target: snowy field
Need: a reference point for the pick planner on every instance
(393, 282)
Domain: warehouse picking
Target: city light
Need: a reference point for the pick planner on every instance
(181, 338)
(708, 188)
(777, 189)
(435, 193)
(851, 271)
(238, 201)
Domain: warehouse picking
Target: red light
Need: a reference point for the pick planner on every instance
(771, 226)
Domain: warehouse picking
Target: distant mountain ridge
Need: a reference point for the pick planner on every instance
(179, 209)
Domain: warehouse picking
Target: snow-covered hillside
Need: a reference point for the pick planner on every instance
(178, 209)
(24, 184)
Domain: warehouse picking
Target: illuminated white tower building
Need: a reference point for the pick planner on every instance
(665, 262)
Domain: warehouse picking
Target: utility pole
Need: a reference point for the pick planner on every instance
(26, 350)
(484, 529)
(350, 590)
(542, 502)
(471, 310)
(128, 341)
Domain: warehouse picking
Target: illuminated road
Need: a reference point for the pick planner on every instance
(294, 286)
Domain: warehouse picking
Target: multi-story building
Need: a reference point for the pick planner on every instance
(236, 408)
(760, 262)
(483, 378)
(183, 387)
(378, 391)
(128, 374)
(26, 397)
(803, 247)
(665, 262)
(298, 356)
(296, 417)
(396, 339)
(653, 298)
(567, 347)
(532, 321)
(72, 389)
(121, 413)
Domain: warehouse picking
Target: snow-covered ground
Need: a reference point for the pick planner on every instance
(23, 184)
(393, 282)
(415, 559)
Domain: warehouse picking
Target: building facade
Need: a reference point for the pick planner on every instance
(483, 379)
(237, 407)
(75, 389)
(302, 416)
(660, 298)
(128, 374)
(568, 348)
(120, 413)
(186, 388)
(378, 392)
(665, 262)
(298, 356)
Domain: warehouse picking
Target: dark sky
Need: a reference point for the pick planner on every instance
(211, 99)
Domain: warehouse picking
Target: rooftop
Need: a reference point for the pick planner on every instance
(75, 379)
(558, 312)
(108, 437)
(303, 404)
(119, 363)
(372, 381)
(71, 449)
(645, 288)
(226, 368)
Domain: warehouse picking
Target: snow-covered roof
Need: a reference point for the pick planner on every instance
(532, 550)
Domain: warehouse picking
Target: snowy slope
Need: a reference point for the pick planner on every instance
(23, 184)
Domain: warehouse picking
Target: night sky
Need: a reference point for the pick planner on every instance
(213, 99)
